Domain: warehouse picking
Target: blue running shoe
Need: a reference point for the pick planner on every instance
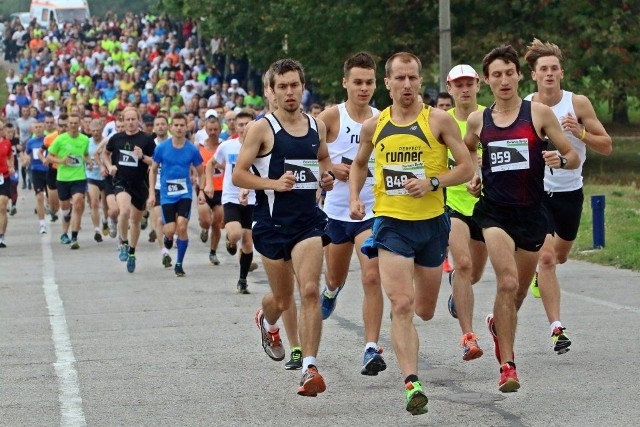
(373, 362)
(123, 252)
(64, 239)
(131, 263)
(328, 303)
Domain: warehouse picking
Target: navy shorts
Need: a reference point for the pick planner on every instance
(235, 212)
(526, 225)
(425, 241)
(97, 182)
(52, 178)
(346, 231)
(5, 188)
(171, 211)
(563, 211)
(273, 244)
(66, 189)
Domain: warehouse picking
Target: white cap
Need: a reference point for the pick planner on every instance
(462, 70)
(211, 113)
(189, 83)
(234, 81)
(12, 97)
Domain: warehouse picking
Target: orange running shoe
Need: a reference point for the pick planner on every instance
(311, 383)
(446, 267)
(470, 348)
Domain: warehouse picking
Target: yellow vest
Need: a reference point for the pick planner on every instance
(402, 152)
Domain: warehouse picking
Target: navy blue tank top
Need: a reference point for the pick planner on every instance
(512, 163)
(296, 210)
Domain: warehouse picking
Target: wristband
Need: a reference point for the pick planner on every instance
(584, 134)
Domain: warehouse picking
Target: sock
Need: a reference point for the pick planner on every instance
(132, 250)
(332, 294)
(1, 236)
(371, 345)
(182, 249)
(124, 242)
(308, 361)
(74, 235)
(555, 324)
(42, 222)
(245, 264)
(164, 251)
(269, 327)
(411, 379)
(212, 252)
(96, 229)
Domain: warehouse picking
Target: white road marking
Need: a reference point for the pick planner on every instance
(71, 413)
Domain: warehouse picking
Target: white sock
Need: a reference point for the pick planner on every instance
(309, 360)
(96, 229)
(555, 324)
(268, 327)
(332, 294)
(164, 251)
(371, 345)
(42, 222)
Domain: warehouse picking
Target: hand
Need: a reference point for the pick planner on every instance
(103, 170)
(243, 197)
(201, 199)
(570, 123)
(416, 187)
(112, 170)
(341, 171)
(151, 201)
(285, 182)
(326, 181)
(474, 187)
(208, 189)
(552, 159)
(138, 152)
(356, 209)
(90, 166)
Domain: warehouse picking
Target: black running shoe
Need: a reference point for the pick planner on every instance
(242, 287)
(179, 271)
(295, 362)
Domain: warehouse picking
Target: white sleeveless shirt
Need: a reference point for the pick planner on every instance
(344, 150)
(565, 179)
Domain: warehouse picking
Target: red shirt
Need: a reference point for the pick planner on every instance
(5, 156)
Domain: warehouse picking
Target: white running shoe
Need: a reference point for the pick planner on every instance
(43, 229)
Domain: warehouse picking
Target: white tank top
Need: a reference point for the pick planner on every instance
(344, 150)
(565, 179)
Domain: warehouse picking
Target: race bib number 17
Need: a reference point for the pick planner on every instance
(127, 158)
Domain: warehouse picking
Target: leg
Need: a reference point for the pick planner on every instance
(373, 301)
(459, 245)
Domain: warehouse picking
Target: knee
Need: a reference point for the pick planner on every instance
(425, 312)
(283, 304)
(547, 259)
(371, 280)
(309, 292)
(561, 258)
(508, 283)
(402, 306)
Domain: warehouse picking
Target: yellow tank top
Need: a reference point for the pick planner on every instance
(403, 152)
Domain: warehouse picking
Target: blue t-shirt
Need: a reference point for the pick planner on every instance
(175, 180)
(94, 173)
(33, 145)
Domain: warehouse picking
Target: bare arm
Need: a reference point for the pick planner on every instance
(358, 173)
(153, 177)
(326, 174)
(463, 154)
(331, 118)
(471, 140)
(595, 136)
(549, 125)
(258, 135)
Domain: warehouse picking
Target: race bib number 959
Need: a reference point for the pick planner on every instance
(512, 154)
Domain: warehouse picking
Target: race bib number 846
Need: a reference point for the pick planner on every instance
(306, 172)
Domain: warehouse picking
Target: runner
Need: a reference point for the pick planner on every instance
(95, 180)
(6, 170)
(176, 156)
(38, 171)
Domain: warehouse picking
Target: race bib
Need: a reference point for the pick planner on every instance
(176, 187)
(127, 158)
(306, 172)
(395, 176)
(35, 153)
(75, 161)
(508, 155)
(370, 168)
(1, 179)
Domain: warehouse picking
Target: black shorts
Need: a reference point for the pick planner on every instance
(5, 187)
(238, 213)
(108, 185)
(157, 193)
(39, 181)
(171, 211)
(97, 182)
(346, 231)
(52, 178)
(138, 190)
(66, 189)
(474, 230)
(563, 210)
(526, 225)
(275, 245)
(214, 201)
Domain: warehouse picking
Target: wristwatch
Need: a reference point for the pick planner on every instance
(435, 183)
(563, 162)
